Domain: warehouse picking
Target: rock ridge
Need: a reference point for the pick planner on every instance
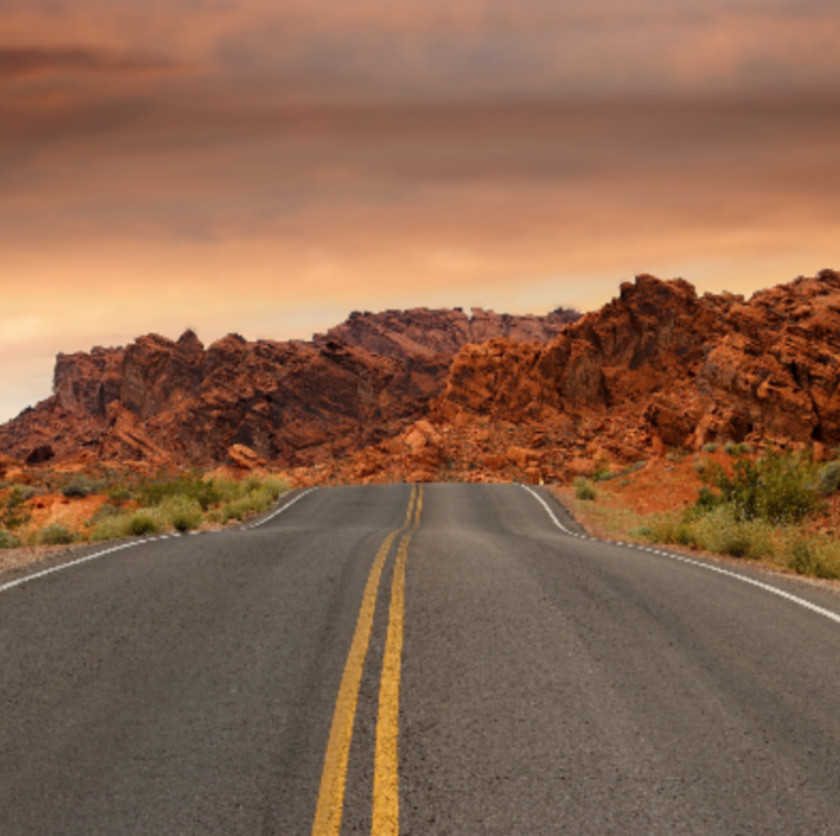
(293, 403)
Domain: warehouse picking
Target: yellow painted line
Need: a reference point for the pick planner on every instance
(386, 787)
(330, 808)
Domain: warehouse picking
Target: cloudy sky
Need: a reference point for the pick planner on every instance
(267, 166)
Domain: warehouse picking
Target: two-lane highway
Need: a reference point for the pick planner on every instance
(419, 660)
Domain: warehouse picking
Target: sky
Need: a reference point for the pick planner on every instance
(268, 166)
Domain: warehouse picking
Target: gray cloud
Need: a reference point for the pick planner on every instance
(433, 50)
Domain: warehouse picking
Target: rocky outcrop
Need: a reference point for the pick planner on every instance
(660, 366)
(423, 332)
(290, 403)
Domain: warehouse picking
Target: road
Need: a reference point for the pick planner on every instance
(440, 659)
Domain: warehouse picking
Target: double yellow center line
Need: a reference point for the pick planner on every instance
(386, 813)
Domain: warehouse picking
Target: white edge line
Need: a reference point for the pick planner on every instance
(44, 572)
(126, 545)
(282, 509)
(803, 602)
(548, 511)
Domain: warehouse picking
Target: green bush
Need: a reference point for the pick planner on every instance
(720, 532)
(139, 524)
(204, 492)
(810, 557)
(119, 494)
(602, 471)
(80, 486)
(55, 534)
(13, 514)
(710, 447)
(182, 504)
(112, 528)
(181, 513)
(667, 528)
(738, 448)
(583, 490)
(253, 495)
(8, 540)
(20, 494)
(775, 488)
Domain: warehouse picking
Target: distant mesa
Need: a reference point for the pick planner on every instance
(439, 394)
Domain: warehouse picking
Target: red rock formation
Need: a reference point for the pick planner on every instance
(382, 397)
(424, 332)
(659, 367)
(293, 403)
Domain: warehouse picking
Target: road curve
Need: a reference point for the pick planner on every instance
(437, 660)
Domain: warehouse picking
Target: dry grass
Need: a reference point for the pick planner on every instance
(798, 547)
(54, 509)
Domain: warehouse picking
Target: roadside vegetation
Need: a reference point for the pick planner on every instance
(763, 507)
(126, 504)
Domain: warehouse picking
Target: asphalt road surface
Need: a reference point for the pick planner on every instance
(398, 659)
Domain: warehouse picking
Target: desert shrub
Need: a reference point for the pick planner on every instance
(181, 503)
(80, 486)
(602, 470)
(181, 513)
(720, 532)
(583, 490)
(13, 514)
(707, 500)
(667, 528)
(774, 488)
(55, 534)
(710, 447)
(8, 540)
(735, 448)
(20, 494)
(801, 558)
(244, 506)
(205, 492)
(253, 495)
(828, 479)
(119, 493)
(809, 556)
(140, 523)
(112, 528)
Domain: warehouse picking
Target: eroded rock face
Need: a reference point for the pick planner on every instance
(665, 367)
(423, 332)
(291, 403)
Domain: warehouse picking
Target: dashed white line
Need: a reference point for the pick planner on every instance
(802, 602)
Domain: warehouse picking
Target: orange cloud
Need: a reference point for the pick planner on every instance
(26, 61)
